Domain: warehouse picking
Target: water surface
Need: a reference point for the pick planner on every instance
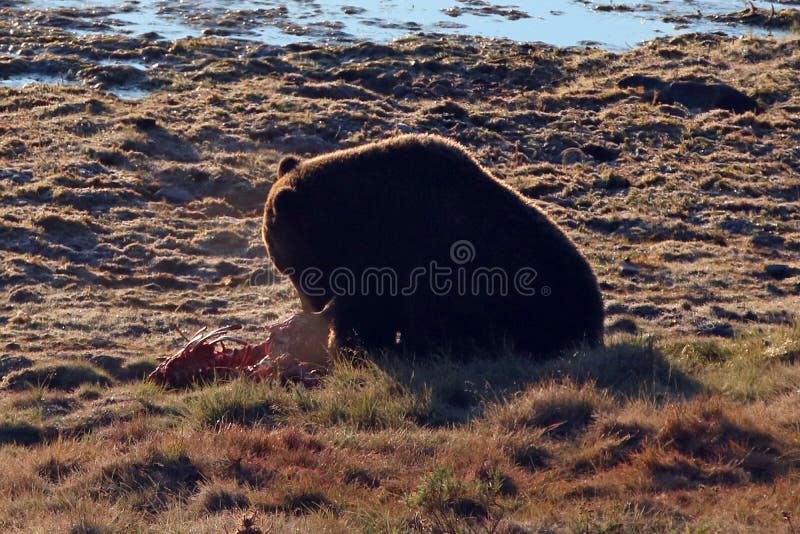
(619, 25)
(559, 22)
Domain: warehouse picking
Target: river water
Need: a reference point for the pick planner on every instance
(617, 24)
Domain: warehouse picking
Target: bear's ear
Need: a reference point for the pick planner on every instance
(287, 164)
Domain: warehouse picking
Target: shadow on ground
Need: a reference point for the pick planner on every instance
(460, 389)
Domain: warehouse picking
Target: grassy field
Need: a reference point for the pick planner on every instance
(122, 220)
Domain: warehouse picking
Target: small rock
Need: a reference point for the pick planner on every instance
(352, 10)
(675, 111)
(108, 363)
(647, 311)
(601, 152)
(613, 181)
(175, 195)
(557, 143)
(779, 271)
(711, 328)
(301, 143)
(223, 243)
(572, 155)
(767, 240)
(736, 226)
(401, 90)
(226, 268)
(13, 148)
(623, 325)
(21, 296)
(87, 169)
(16, 176)
(498, 124)
(721, 313)
(448, 108)
(616, 308)
(11, 362)
(629, 268)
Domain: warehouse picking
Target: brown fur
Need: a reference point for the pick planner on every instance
(402, 204)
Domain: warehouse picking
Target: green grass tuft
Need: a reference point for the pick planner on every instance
(240, 402)
(448, 504)
(364, 396)
(557, 410)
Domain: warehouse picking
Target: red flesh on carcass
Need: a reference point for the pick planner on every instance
(295, 349)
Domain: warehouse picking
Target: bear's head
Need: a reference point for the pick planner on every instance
(282, 215)
(294, 238)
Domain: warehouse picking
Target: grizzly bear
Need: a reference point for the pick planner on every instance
(410, 242)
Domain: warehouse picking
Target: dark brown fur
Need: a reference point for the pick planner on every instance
(402, 204)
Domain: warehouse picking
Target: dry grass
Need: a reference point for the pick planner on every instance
(121, 220)
(523, 459)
